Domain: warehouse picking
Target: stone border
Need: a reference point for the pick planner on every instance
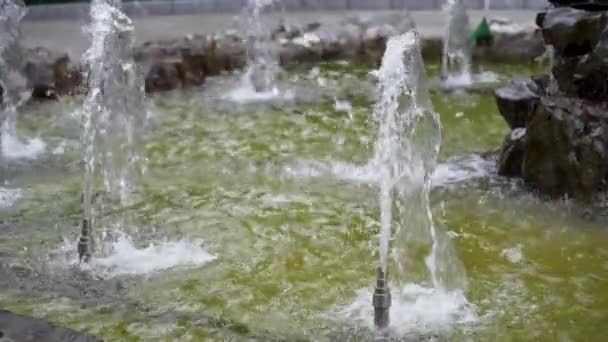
(181, 7)
(188, 61)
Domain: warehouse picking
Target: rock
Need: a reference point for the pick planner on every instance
(344, 43)
(305, 49)
(512, 46)
(573, 32)
(595, 6)
(194, 56)
(50, 74)
(225, 53)
(584, 76)
(155, 51)
(586, 5)
(511, 155)
(164, 75)
(68, 78)
(373, 42)
(432, 48)
(590, 73)
(19, 328)
(566, 148)
(518, 101)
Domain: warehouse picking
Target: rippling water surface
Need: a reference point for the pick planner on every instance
(261, 221)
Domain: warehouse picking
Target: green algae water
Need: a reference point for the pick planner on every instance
(253, 224)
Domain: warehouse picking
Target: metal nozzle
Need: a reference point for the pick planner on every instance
(84, 243)
(381, 300)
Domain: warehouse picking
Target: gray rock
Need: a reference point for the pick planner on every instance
(566, 148)
(573, 32)
(343, 43)
(590, 73)
(17, 328)
(517, 102)
(511, 155)
(304, 49)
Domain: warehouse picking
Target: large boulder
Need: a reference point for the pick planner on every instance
(590, 74)
(517, 102)
(511, 157)
(573, 32)
(566, 148)
(19, 328)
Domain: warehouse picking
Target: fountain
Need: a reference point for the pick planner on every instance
(112, 115)
(258, 82)
(456, 61)
(13, 86)
(409, 135)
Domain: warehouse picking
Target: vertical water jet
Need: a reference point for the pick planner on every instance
(262, 53)
(113, 117)
(13, 85)
(456, 58)
(405, 154)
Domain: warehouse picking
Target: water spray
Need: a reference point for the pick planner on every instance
(381, 300)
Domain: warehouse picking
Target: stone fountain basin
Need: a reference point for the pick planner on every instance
(273, 192)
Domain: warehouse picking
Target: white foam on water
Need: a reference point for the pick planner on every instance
(125, 258)
(415, 310)
(451, 172)
(12, 148)
(8, 197)
(470, 167)
(513, 254)
(59, 149)
(342, 106)
(245, 93)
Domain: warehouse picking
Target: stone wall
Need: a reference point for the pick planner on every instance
(188, 61)
(178, 7)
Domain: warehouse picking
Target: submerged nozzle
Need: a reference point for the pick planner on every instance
(381, 300)
(84, 243)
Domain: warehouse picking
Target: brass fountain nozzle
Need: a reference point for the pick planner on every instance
(84, 243)
(381, 300)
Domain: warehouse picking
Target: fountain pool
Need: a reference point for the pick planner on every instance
(255, 225)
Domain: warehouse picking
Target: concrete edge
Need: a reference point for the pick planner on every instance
(179, 7)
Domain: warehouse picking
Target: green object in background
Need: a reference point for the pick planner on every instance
(482, 36)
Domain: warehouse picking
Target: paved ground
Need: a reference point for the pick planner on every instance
(68, 35)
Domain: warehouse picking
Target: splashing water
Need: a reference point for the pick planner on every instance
(125, 258)
(112, 115)
(417, 311)
(14, 90)
(259, 80)
(405, 153)
(456, 60)
(8, 197)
